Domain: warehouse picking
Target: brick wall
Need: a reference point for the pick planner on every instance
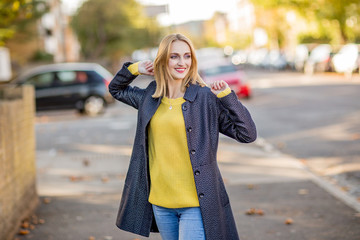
(18, 197)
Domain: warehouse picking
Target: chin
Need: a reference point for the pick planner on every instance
(178, 77)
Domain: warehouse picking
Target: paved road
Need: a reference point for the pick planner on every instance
(314, 118)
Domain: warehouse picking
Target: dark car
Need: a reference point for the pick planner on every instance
(230, 74)
(82, 86)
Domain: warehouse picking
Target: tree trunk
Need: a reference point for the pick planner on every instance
(344, 38)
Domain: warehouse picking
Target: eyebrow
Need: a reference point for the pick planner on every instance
(179, 53)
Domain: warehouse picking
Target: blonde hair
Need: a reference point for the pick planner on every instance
(161, 70)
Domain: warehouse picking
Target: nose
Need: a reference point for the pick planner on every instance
(181, 61)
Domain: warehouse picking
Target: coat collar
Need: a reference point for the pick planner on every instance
(191, 92)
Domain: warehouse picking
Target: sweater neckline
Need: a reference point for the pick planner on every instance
(172, 101)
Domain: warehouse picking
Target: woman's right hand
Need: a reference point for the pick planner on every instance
(146, 67)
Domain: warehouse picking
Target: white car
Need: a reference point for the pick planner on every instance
(346, 60)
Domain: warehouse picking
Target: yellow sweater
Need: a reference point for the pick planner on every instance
(171, 175)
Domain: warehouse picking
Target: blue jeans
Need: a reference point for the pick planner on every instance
(179, 223)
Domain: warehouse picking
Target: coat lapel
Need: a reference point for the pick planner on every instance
(150, 105)
(191, 92)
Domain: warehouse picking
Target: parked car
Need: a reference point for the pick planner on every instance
(239, 57)
(346, 60)
(274, 60)
(82, 86)
(301, 56)
(257, 56)
(230, 74)
(319, 59)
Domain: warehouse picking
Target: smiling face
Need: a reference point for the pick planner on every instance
(179, 60)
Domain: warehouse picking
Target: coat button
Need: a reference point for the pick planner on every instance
(184, 107)
(197, 172)
(193, 151)
(189, 129)
(201, 195)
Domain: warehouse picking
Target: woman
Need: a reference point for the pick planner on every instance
(173, 183)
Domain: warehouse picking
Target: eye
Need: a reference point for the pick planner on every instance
(187, 56)
(173, 56)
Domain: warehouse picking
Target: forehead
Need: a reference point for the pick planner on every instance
(179, 47)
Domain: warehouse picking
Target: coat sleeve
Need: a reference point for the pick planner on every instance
(119, 87)
(235, 120)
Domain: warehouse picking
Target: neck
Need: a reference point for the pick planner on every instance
(175, 89)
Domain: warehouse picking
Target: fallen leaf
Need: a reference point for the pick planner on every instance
(46, 200)
(250, 186)
(303, 191)
(345, 188)
(355, 136)
(304, 161)
(253, 211)
(250, 211)
(75, 178)
(259, 212)
(24, 232)
(25, 224)
(104, 179)
(289, 221)
(91, 238)
(32, 227)
(280, 145)
(86, 162)
(41, 221)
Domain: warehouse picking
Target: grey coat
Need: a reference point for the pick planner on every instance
(205, 116)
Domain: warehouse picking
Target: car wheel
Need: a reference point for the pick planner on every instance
(93, 106)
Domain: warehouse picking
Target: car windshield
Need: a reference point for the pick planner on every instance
(219, 70)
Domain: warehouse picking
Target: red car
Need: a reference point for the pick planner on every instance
(231, 75)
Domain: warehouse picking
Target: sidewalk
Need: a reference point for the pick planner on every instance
(85, 190)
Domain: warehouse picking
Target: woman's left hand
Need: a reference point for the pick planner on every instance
(218, 86)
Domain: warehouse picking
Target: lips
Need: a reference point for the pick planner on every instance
(180, 70)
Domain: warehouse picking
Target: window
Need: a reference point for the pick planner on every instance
(41, 80)
(72, 77)
(67, 77)
(81, 77)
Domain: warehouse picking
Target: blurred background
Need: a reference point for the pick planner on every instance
(301, 35)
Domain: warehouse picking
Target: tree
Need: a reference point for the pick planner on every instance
(342, 15)
(16, 14)
(340, 12)
(112, 28)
